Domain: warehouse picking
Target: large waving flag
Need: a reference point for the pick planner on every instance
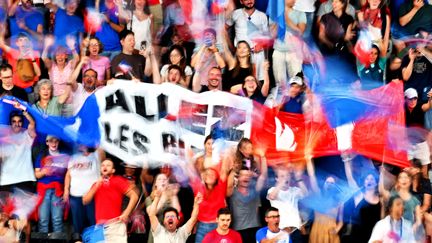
(148, 122)
(275, 11)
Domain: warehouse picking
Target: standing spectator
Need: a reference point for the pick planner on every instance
(108, 194)
(287, 57)
(81, 91)
(50, 171)
(111, 26)
(17, 166)
(375, 18)
(139, 65)
(26, 18)
(66, 22)
(46, 103)
(415, 15)
(7, 87)
(223, 233)
(239, 66)
(249, 22)
(139, 21)
(60, 69)
(214, 79)
(207, 56)
(169, 231)
(415, 118)
(272, 232)
(24, 61)
(245, 202)
(253, 89)
(177, 56)
(307, 7)
(394, 227)
(417, 72)
(327, 6)
(100, 64)
(285, 198)
(83, 171)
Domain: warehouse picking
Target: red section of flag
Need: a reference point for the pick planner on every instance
(92, 21)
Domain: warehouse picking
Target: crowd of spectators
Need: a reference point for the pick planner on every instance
(54, 59)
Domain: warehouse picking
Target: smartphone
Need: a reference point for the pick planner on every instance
(143, 45)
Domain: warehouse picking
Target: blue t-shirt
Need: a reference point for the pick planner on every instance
(107, 35)
(56, 164)
(265, 233)
(66, 25)
(293, 105)
(32, 20)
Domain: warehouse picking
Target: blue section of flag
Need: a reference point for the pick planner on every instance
(81, 129)
(275, 11)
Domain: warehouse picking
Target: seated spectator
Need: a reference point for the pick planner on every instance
(252, 89)
(207, 56)
(177, 57)
(7, 87)
(272, 230)
(394, 227)
(111, 188)
(50, 170)
(214, 79)
(24, 61)
(223, 233)
(100, 64)
(239, 66)
(137, 65)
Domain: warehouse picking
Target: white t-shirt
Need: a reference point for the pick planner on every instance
(384, 230)
(163, 235)
(79, 97)
(84, 171)
(142, 31)
(306, 6)
(246, 28)
(287, 203)
(17, 163)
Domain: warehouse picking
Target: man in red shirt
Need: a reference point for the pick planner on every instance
(223, 233)
(108, 192)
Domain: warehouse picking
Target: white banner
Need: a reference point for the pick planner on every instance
(142, 122)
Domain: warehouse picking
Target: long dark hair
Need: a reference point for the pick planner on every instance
(182, 52)
(236, 69)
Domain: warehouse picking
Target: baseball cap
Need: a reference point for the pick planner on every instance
(296, 80)
(49, 137)
(410, 93)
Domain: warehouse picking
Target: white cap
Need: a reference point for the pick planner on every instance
(411, 93)
(296, 80)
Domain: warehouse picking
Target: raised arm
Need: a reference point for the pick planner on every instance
(194, 215)
(266, 85)
(312, 178)
(263, 174)
(31, 128)
(73, 78)
(407, 71)
(152, 211)
(404, 20)
(88, 197)
(381, 188)
(48, 42)
(230, 59)
(348, 171)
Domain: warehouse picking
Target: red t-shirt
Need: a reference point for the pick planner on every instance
(109, 197)
(153, 2)
(213, 200)
(213, 236)
(12, 56)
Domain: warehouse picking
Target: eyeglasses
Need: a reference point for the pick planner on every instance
(170, 217)
(94, 44)
(273, 216)
(89, 76)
